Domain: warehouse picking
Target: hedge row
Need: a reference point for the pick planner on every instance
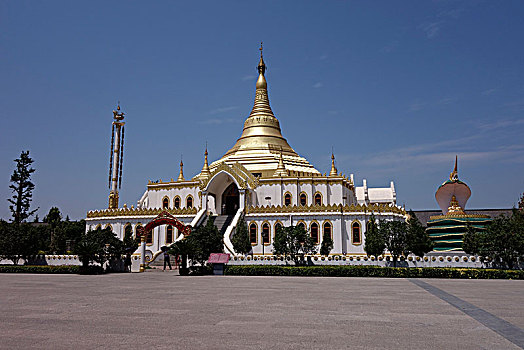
(371, 271)
(60, 269)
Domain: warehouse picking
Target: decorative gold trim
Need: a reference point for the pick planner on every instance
(369, 209)
(243, 176)
(157, 186)
(138, 212)
(459, 216)
(309, 179)
(99, 226)
(359, 232)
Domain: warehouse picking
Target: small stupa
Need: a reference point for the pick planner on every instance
(447, 230)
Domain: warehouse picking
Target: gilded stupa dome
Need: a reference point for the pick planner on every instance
(261, 146)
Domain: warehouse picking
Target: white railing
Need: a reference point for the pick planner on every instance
(227, 234)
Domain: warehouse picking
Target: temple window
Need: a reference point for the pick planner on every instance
(303, 199)
(165, 203)
(189, 202)
(318, 199)
(169, 234)
(253, 233)
(149, 237)
(355, 233)
(327, 229)
(278, 226)
(137, 231)
(265, 233)
(177, 202)
(287, 199)
(314, 233)
(128, 230)
(302, 225)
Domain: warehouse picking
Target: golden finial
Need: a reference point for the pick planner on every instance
(281, 168)
(454, 174)
(261, 65)
(181, 175)
(333, 171)
(205, 173)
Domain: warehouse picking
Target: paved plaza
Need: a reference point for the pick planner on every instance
(163, 310)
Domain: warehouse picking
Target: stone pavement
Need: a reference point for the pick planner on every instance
(163, 310)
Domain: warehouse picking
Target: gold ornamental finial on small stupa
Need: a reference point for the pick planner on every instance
(333, 171)
(281, 168)
(205, 173)
(454, 174)
(181, 175)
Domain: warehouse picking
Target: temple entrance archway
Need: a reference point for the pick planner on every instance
(230, 200)
(164, 218)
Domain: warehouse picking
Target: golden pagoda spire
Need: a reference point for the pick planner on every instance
(281, 168)
(454, 174)
(181, 176)
(333, 171)
(205, 173)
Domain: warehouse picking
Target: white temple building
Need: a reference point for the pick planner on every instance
(262, 179)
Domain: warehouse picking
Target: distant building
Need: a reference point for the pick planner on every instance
(447, 229)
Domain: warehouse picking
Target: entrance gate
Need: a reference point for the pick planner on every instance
(164, 218)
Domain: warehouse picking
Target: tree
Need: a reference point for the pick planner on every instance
(327, 244)
(240, 238)
(53, 218)
(99, 246)
(375, 243)
(502, 241)
(395, 238)
(295, 242)
(204, 240)
(184, 249)
(22, 189)
(419, 241)
(21, 241)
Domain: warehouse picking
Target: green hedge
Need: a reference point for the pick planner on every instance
(371, 271)
(91, 270)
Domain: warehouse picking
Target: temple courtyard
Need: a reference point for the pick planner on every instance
(163, 310)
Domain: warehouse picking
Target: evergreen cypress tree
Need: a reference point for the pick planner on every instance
(374, 243)
(327, 244)
(419, 241)
(22, 187)
(240, 238)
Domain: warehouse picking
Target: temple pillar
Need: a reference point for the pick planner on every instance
(242, 198)
(143, 252)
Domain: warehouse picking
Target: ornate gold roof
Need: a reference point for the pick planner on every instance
(261, 143)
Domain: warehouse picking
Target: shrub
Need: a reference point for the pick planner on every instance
(372, 271)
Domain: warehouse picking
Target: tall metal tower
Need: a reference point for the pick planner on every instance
(116, 157)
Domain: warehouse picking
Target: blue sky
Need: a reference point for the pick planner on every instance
(396, 88)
